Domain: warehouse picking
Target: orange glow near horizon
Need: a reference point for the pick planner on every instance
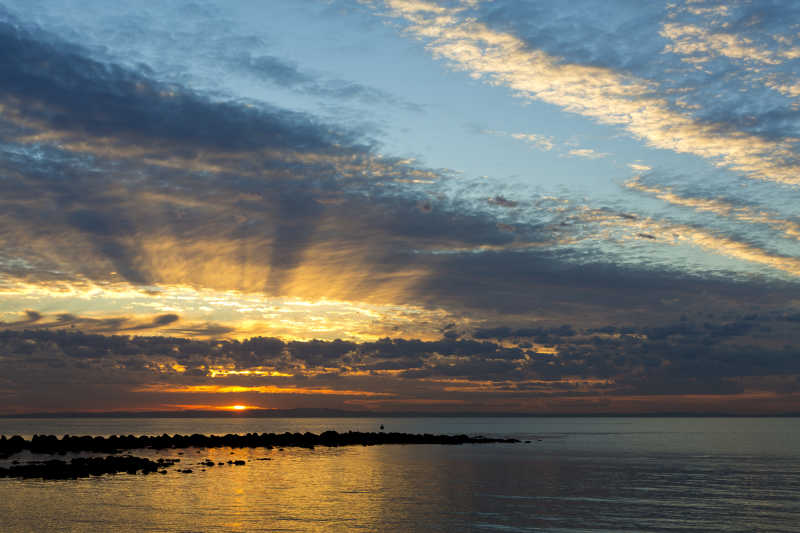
(216, 407)
(259, 389)
(756, 403)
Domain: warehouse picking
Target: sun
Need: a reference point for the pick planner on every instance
(238, 408)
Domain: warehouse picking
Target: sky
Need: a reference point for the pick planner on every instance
(496, 206)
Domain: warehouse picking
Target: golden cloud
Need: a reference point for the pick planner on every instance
(259, 389)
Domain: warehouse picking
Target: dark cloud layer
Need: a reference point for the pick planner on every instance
(698, 355)
(96, 325)
(53, 82)
(288, 75)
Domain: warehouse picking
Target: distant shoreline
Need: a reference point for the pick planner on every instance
(330, 413)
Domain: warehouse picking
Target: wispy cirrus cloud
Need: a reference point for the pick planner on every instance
(701, 45)
(539, 141)
(587, 153)
(720, 207)
(548, 143)
(753, 39)
(600, 93)
(258, 389)
(624, 228)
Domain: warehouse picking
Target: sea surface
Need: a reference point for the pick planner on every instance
(576, 475)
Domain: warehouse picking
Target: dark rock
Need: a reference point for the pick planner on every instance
(82, 467)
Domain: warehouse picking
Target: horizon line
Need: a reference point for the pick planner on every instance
(340, 413)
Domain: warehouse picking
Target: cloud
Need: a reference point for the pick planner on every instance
(742, 213)
(597, 92)
(701, 45)
(197, 46)
(541, 334)
(754, 39)
(284, 205)
(290, 76)
(548, 143)
(212, 222)
(542, 142)
(133, 207)
(698, 355)
(735, 32)
(36, 320)
(202, 330)
(54, 85)
(502, 201)
(587, 153)
(31, 318)
(52, 93)
(263, 389)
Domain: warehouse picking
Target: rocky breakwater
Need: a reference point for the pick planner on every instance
(50, 444)
(112, 464)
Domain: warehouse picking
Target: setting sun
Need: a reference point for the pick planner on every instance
(239, 407)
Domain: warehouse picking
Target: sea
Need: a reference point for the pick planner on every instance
(575, 475)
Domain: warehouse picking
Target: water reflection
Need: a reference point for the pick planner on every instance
(596, 477)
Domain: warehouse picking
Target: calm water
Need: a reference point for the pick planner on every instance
(578, 474)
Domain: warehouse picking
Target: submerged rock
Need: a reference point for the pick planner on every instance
(81, 467)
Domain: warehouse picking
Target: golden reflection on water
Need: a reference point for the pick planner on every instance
(290, 489)
(581, 475)
(325, 489)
